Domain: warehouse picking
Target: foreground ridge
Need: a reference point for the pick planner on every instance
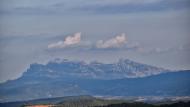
(89, 101)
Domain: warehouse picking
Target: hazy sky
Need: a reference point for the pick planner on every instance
(155, 32)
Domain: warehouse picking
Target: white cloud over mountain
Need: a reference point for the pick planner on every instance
(115, 42)
(69, 41)
(118, 41)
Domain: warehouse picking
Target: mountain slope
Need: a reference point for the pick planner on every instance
(66, 78)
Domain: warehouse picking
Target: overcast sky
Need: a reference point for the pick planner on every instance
(155, 32)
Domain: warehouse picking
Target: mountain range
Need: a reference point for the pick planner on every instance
(124, 68)
(60, 78)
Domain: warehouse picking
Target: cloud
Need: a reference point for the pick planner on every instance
(116, 42)
(132, 6)
(69, 41)
(92, 6)
(162, 50)
(130, 1)
(75, 43)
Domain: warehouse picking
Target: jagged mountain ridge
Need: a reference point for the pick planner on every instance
(122, 69)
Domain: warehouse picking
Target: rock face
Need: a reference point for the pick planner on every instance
(121, 69)
(65, 78)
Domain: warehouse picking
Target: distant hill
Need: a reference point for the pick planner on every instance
(137, 104)
(71, 78)
(71, 101)
(89, 101)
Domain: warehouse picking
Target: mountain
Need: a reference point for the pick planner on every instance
(122, 69)
(65, 78)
